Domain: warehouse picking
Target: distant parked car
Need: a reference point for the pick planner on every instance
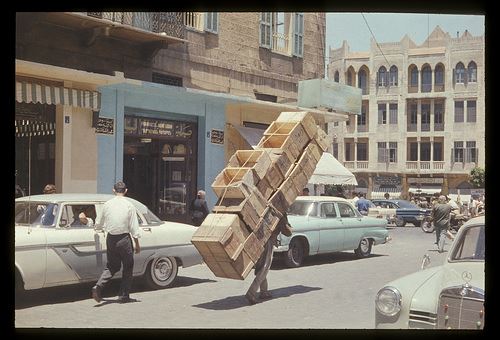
(324, 224)
(406, 212)
(59, 250)
(450, 296)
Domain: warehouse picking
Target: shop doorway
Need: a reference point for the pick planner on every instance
(34, 147)
(161, 171)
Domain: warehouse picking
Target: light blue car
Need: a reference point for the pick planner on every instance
(324, 224)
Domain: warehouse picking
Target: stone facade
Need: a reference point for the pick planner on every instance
(426, 140)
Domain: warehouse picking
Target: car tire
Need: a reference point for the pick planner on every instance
(400, 222)
(427, 226)
(364, 249)
(161, 272)
(296, 253)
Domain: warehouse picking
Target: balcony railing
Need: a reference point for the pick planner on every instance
(362, 165)
(194, 20)
(170, 23)
(362, 128)
(349, 164)
(425, 127)
(281, 43)
(412, 89)
(411, 127)
(426, 87)
(424, 165)
(438, 87)
(438, 126)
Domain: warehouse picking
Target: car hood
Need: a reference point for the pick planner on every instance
(426, 296)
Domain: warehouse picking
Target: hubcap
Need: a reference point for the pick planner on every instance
(364, 245)
(162, 269)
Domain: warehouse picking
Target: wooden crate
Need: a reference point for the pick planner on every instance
(285, 195)
(283, 142)
(322, 139)
(265, 188)
(258, 160)
(249, 208)
(274, 177)
(234, 182)
(282, 159)
(305, 118)
(237, 269)
(293, 129)
(220, 237)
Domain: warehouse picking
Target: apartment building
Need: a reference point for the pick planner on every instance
(422, 125)
(158, 99)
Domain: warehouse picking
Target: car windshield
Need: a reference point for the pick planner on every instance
(471, 245)
(151, 218)
(303, 208)
(406, 204)
(35, 213)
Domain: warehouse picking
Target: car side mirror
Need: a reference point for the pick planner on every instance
(426, 261)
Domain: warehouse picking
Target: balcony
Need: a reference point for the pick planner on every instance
(281, 43)
(193, 20)
(349, 164)
(425, 166)
(356, 164)
(438, 126)
(151, 30)
(411, 127)
(438, 87)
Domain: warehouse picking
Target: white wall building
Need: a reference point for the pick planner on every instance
(422, 125)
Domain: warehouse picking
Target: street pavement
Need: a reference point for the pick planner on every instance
(331, 291)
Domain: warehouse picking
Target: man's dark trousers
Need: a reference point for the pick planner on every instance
(119, 251)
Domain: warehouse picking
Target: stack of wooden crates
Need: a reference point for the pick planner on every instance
(254, 190)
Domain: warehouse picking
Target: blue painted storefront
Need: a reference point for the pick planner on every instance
(160, 102)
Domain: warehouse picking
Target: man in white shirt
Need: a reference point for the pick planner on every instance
(119, 220)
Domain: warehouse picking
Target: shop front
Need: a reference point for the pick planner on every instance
(159, 165)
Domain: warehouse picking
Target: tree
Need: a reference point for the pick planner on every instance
(476, 177)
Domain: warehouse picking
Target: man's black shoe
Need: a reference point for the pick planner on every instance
(96, 293)
(124, 299)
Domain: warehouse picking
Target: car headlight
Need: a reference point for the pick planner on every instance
(388, 301)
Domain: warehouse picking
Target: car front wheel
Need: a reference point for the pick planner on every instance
(296, 253)
(161, 272)
(364, 249)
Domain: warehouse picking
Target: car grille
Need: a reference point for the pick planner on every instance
(461, 308)
(419, 319)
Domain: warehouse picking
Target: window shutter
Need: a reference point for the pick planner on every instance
(452, 156)
(454, 77)
(298, 35)
(376, 83)
(211, 22)
(265, 30)
(387, 79)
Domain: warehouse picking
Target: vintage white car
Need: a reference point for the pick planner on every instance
(450, 296)
(53, 248)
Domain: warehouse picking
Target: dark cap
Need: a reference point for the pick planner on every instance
(120, 187)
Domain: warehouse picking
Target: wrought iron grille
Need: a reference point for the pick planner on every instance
(170, 23)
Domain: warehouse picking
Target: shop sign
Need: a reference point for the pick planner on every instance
(422, 180)
(156, 127)
(387, 180)
(217, 136)
(105, 126)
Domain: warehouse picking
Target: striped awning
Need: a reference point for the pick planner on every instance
(27, 128)
(56, 95)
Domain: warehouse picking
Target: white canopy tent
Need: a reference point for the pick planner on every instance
(330, 171)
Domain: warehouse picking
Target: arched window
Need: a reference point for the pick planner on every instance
(382, 76)
(362, 81)
(439, 75)
(472, 72)
(426, 78)
(413, 76)
(350, 76)
(336, 76)
(393, 76)
(460, 74)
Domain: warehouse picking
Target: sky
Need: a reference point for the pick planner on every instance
(392, 27)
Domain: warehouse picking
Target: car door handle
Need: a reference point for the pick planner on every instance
(147, 229)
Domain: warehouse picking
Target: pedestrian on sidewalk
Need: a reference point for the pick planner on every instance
(199, 208)
(441, 216)
(264, 263)
(119, 220)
